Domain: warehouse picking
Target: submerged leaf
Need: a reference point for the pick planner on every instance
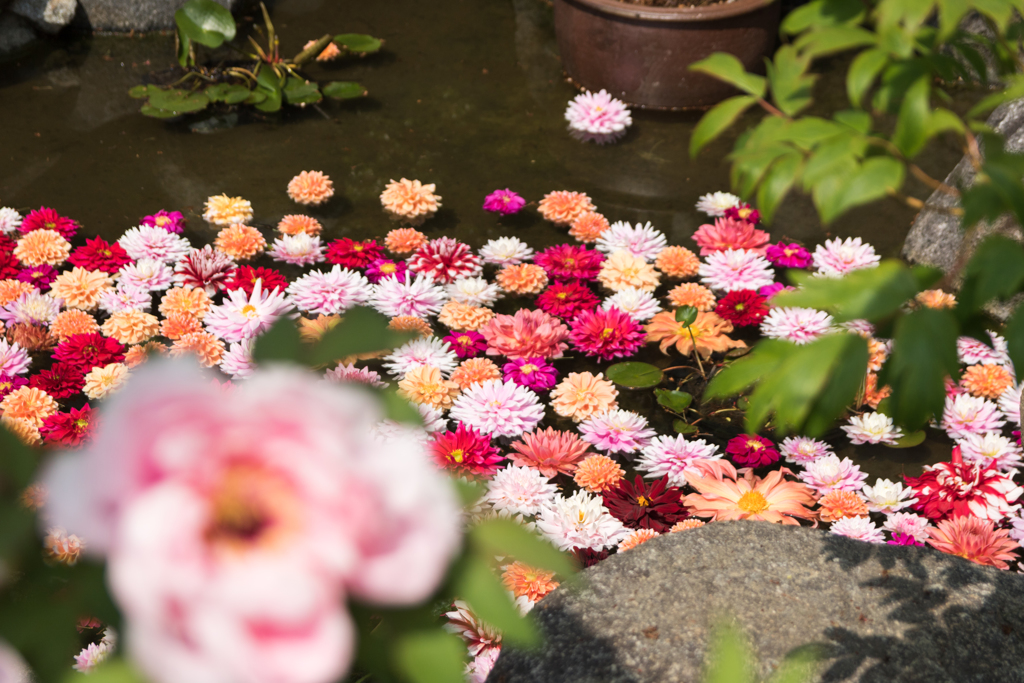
(635, 375)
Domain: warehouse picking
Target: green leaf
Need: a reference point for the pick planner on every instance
(280, 343)
(344, 90)
(269, 83)
(112, 671)
(228, 93)
(996, 270)
(862, 73)
(829, 41)
(726, 67)
(150, 110)
(911, 132)
(717, 119)
(1014, 334)
(686, 315)
(433, 656)
(177, 101)
(469, 491)
(797, 667)
(777, 182)
(358, 42)
(823, 13)
(362, 330)
(139, 92)
(635, 375)
(506, 537)
(477, 585)
(205, 22)
(681, 427)
(910, 440)
(876, 178)
(950, 14)
(729, 659)
(870, 294)
(398, 408)
(673, 399)
(298, 92)
(17, 463)
(766, 356)
(790, 83)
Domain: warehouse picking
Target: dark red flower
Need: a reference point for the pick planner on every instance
(48, 219)
(567, 299)
(205, 268)
(245, 277)
(88, 351)
(646, 505)
(742, 307)
(748, 450)
(62, 380)
(10, 266)
(70, 429)
(446, 260)
(465, 452)
(98, 254)
(586, 557)
(349, 253)
(40, 277)
(570, 262)
(7, 245)
(744, 212)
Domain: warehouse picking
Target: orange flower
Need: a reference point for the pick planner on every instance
(692, 294)
(185, 301)
(582, 394)
(62, 547)
(836, 505)
(31, 337)
(23, 429)
(459, 317)
(81, 288)
(73, 321)
(986, 381)
(410, 323)
(311, 331)
(177, 325)
(622, 269)
(12, 289)
(723, 495)
(203, 345)
(523, 278)
(708, 332)
(295, 224)
(524, 580)
(686, 524)
(101, 382)
(878, 351)
(597, 473)
(404, 240)
(131, 327)
(872, 394)
(33, 497)
(677, 262)
(936, 298)
(562, 208)
(329, 53)
(224, 210)
(34, 405)
(425, 384)
(410, 201)
(137, 355)
(42, 246)
(311, 188)
(637, 537)
(475, 370)
(239, 241)
(974, 539)
(588, 226)
(550, 451)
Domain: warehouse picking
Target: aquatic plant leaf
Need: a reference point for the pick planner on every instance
(509, 538)
(177, 100)
(682, 428)
(268, 83)
(686, 315)
(344, 90)
(430, 656)
(362, 330)
(297, 91)
(228, 93)
(728, 68)
(869, 294)
(635, 375)
(717, 119)
(280, 343)
(358, 42)
(150, 110)
(910, 440)
(205, 22)
(475, 583)
(139, 92)
(673, 399)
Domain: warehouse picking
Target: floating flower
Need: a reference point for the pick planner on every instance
(520, 490)
(588, 226)
(42, 246)
(986, 380)
(418, 352)
(622, 270)
(330, 293)
(692, 294)
(298, 250)
(425, 384)
(975, 540)
(475, 291)
(29, 403)
(640, 240)
(636, 303)
(22, 429)
(798, 325)
(102, 381)
(30, 309)
(412, 324)
(505, 202)
(350, 253)
(570, 262)
(474, 371)
(686, 525)
(10, 220)
(242, 317)
(70, 429)
(637, 537)
(48, 219)
(951, 489)
(964, 415)
(563, 207)
(80, 288)
(908, 524)
(743, 212)
(582, 394)
(723, 495)
(192, 302)
(606, 333)
(72, 321)
(311, 188)
(14, 360)
(131, 327)
(801, 450)
(445, 260)
(480, 637)
(137, 355)
(350, 373)
(728, 233)
(466, 344)
(525, 278)
(784, 255)
(40, 277)
(616, 431)
(151, 242)
(645, 505)
(1009, 403)
(532, 373)
(498, 408)
(838, 257)
(506, 251)
(410, 201)
(459, 316)
(237, 362)
(526, 581)
(10, 290)
(971, 351)
(838, 504)
(240, 242)
(93, 654)
(295, 224)
(829, 473)
(991, 447)
(146, 275)
(750, 450)
(677, 262)
(742, 307)
(935, 298)
(98, 254)
(580, 521)
(598, 117)
(549, 451)
(382, 268)
(127, 296)
(224, 210)
(872, 428)
(205, 268)
(598, 473)
(171, 221)
(716, 203)
(85, 351)
(707, 334)
(526, 334)
(404, 240)
(887, 497)
(736, 269)
(419, 297)
(860, 528)
(673, 456)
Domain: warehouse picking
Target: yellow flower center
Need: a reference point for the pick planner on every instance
(789, 252)
(249, 311)
(357, 247)
(741, 307)
(561, 295)
(753, 502)
(161, 221)
(50, 225)
(606, 332)
(528, 369)
(106, 252)
(387, 268)
(756, 445)
(464, 340)
(457, 455)
(744, 213)
(642, 502)
(81, 424)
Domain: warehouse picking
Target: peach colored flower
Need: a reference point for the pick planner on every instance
(313, 330)
(71, 322)
(224, 210)
(529, 582)
(685, 525)
(692, 294)
(34, 496)
(872, 394)
(836, 505)
(185, 301)
(296, 224)
(936, 298)
(204, 346)
(877, 353)
(42, 246)
(131, 327)
(31, 337)
(622, 269)
(62, 547)
(677, 262)
(24, 429)
(637, 537)
(177, 325)
(550, 451)
(425, 384)
(729, 233)
(708, 333)
(562, 207)
(597, 473)
(522, 278)
(527, 334)
(101, 382)
(588, 226)
(974, 539)
(240, 242)
(311, 188)
(722, 494)
(81, 288)
(410, 323)
(986, 381)
(459, 317)
(34, 405)
(404, 240)
(410, 201)
(582, 394)
(475, 370)
(12, 289)
(137, 355)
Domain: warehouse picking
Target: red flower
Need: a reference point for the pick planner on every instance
(9, 384)
(205, 268)
(743, 213)
(567, 299)
(467, 344)
(245, 277)
(466, 452)
(48, 219)
(606, 333)
(349, 253)
(62, 380)
(742, 307)
(752, 451)
(71, 429)
(10, 266)
(646, 505)
(446, 260)
(570, 262)
(954, 489)
(7, 245)
(88, 351)
(98, 254)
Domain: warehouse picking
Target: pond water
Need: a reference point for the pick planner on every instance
(467, 94)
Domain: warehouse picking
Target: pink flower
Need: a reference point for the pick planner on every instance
(525, 335)
(498, 408)
(505, 202)
(598, 117)
(734, 269)
(243, 317)
(727, 233)
(784, 255)
(235, 524)
(171, 221)
(607, 333)
(445, 260)
(750, 450)
(829, 473)
(617, 431)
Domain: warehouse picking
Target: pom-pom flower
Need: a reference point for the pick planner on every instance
(520, 490)
(597, 117)
(42, 247)
(692, 294)
(582, 394)
(410, 201)
(425, 384)
(598, 473)
(677, 262)
(224, 210)
(240, 242)
(504, 202)
(562, 207)
(311, 188)
(523, 278)
(588, 226)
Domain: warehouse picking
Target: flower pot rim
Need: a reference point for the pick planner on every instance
(719, 10)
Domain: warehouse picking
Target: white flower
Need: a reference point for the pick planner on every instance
(1009, 403)
(125, 298)
(335, 291)
(475, 291)
(798, 325)
(671, 456)
(636, 303)
(522, 490)
(498, 408)
(420, 297)
(10, 220)
(734, 269)
(237, 361)
(860, 528)
(716, 203)
(151, 242)
(872, 428)
(888, 497)
(147, 274)
(413, 354)
(506, 251)
(837, 257)
(640, 240)
(302, 249)
(828, 473)
(801, 450)
(598, 117)
(243, 317)
(908, 524)
(991, 447)
(965, 415)
(580, 521)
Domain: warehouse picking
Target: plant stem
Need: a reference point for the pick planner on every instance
(312, 51)
(696, 355)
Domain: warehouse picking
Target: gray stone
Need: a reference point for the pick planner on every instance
(136, 15)
(15, 33)
(873, 613)
(47, 15)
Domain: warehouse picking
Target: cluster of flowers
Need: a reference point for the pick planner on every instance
(551, 447)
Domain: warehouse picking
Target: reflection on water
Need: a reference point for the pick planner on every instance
(467, 94)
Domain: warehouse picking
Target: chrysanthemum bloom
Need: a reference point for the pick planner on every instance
(952, 489)
(98, 254)
(622, 269)
(311, 188)
(736, 269)
(294, 224)
(1009, 403)
(872, 428)
(458, 316)
(860, 528)
(677, 262)
(519, 490)
(970, 351)
(598, 117)
(72, 321)
(878, 351)
(42, 246)
(61, 547)
(410, 323)
(40, 277)
(582, 394)
(245, 278)
(526, 581)
(645, 505)
(784, 255)
(532, 373)
(404, 240)
(297, 250)
(636, 303)
(9, 383)
(240, 242)
(692, 294)
(991, 447)
(908, 524)
(30, 309)
(350, 253)
(204, 346)
(445, 260)
(205, 268)
(750, 450)
(23, 429)
(465, 452)
(887, 497)
(836, 505)
(640, 240)
(350, 373)
(70, 429)
(505, 202)
(129, 296)
(466, 344)
(241, 317)
(606, 333)
(10, 266)
(524, 278)
(588, 226)
(597, 473)
(32, 338)
(639, 536)
(723, 495)
(976, 540)
(829, 473)
(14, 360)
(192, 302)
(29, 403)
(475, 291)
(92, 655)
(526, 334)
(85, 351)
(986, 380)
(742, 307)
(798, 325)
(151, 242)
(499, 408)
(131, 327)
(727, 233)
(478, 635)
(837, 257)
(563, 207)
(330, 293)
(410, 201)
(48, 219)
(101, 382)
(171, 221)
(137, 355)
(935, 298)
(566, 299)
(964, 415)
(580, 521)
(873, 395)
(716, 203)
(708, 334)
(12, 289)
(425, 384)
(224, 210)
(570, 262)
(550, 451)
(616, 431)
(10, 220)
(672, 456)
(474, 371)
(686, 525)
(412, 354)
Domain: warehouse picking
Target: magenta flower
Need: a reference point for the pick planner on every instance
(768, 291)
(382, 268)
(171, 221)
(751, 451)
(532, 373)
(506, 202)
(785, 255)
(468, 344)
(41, 276)
(904, 539)
(570, 262)
(567, 299)
(744, 212)
(607, 333)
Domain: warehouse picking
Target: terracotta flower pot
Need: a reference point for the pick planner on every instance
(641, 54)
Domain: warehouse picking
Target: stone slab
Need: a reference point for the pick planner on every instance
(136, 15)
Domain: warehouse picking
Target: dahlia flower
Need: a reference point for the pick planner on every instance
(532, 373)
(240, 242)
(29, 403)
(101, 382)
(61, 380)
(62, 547)
(673, 457)
(506, 250)
(622, 269)
(171, 221)
(716, 203)
(335, 291)
(205, 268)
(598, 117)
(42, 246)
(582, 394)
(645, 505)
(742, 307)
(971, 351)
(908, 524)
(707, 334)
(951, 489)
(479, 636)
(310, 188)
(525, 278)
(677, 262)
(520, 490)
(146, 275)
(872, 428)
(85, 351)
(418, 352)
(349, 253)
(736, 269)
(475, 291)
(48, 219)
(72, 322)
(504, 202)
(457, 316)
(419, 297)
(93, 655)
(350, 373)
(498, 408)
(784, 255)
(465, 452)
(526, 334)
(837, 257)
(237, 362)
(125, 297)
(80, 288)
(987, 380)
(588, 226)
(526, 581)
(570, 262)
(549, 451)
(606, 333)
(242, 317)
(473, 371)
(860, 528)
(445, 259)
(829, 473)
(750, 450)
(298, 250)
(636, 303)
(426, 385)
(466, 344)
(723, 495)
(727, 233)
(598, 473)
(98, 254)
(616, 431)
(563, 207)
(410, 201)
(964, 415)
(224, 210)
(836, 505)
(40, 277)
(382, 268)
(293, 224)
(798, 325)
(640, 240)
(14, 360)
(151, 242)
(580, 521)
(1009, 403)
(131, 327)
(887, 497)
(692, 294)
(637, 537)
(404, 240)
(31, 309)
(975, 540)
(991, 447)
(10, 220)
